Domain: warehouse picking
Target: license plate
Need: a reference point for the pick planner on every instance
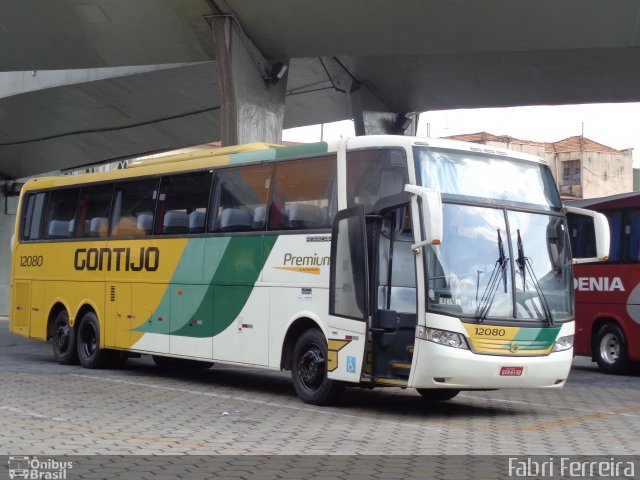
(511, 371)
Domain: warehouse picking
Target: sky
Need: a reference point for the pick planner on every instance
(614, 125)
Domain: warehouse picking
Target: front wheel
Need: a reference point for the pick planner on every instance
(610, 349)
(89, 352)
(309, 370)
(64, 340)
(437, 395)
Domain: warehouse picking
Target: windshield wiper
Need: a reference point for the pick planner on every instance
(489, 294)
(524, 266)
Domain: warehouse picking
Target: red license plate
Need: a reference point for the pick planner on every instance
(511, 371)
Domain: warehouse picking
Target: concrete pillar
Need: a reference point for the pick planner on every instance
(7, 220)
(374, 116)
(252, 90)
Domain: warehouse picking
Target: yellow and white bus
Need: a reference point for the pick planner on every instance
(377, 261)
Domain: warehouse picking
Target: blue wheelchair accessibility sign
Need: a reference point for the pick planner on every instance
(351, 364)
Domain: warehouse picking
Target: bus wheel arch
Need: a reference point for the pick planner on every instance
(609, 346)
(63, 335)
(309, 359)
(88, 344)
(295, 329)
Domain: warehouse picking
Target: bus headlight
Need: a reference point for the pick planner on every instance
(443, 337)
(563, 343)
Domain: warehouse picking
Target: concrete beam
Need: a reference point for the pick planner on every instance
(16, 83)
(374, 115)
(252, 90)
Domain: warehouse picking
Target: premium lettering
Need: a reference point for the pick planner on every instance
(309, 261)
(117, 259)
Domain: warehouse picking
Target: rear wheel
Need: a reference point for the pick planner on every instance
(610, 349)
(64, 340)
(170, 362)
(437, 395)
(89, 352)
(309, 370)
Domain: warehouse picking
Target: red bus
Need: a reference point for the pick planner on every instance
(607, 293)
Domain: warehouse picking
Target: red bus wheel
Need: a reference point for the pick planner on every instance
(610, 349)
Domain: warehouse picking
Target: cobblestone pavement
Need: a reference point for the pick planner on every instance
(49, 409)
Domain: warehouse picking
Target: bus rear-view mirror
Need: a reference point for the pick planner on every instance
(431, 214)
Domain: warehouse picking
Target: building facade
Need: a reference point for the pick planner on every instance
(581, 167)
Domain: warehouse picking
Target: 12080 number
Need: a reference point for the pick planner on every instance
(31, 260)
(491, 332)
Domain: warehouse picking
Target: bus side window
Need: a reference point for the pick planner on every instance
(61, 212)
(582, 236)
(617, 237)
(182, 204)
(32, 217)
(134, 207)
(93, 211)
(304, 194)
(633, 251)
(239, 197)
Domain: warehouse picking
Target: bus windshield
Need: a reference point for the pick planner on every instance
(496, 261)
(486, 176)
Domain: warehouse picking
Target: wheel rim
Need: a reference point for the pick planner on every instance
(610, 348)
(62, 338)
(89, 340)
(311, 367)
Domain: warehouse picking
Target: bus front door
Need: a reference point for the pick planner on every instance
(393, 279)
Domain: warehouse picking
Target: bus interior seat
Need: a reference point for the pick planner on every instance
(259, 216)
(175, 222)
(145, 222)
(196, 221)
(304, 215)
(60, 229)
(233, 219)
(98, 227)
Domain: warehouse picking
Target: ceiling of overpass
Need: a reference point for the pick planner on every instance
(429, 54)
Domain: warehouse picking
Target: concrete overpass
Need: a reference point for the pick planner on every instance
(84, 81)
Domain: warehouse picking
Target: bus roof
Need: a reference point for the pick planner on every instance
(261, 152)
(621, 200)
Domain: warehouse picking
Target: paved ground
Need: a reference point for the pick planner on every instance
(48, 409)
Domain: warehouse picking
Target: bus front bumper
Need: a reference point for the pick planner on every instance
(439, 366)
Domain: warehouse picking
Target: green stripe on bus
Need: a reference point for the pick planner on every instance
(536, 338)
(301, 150)
(250, 157)
(232, 265)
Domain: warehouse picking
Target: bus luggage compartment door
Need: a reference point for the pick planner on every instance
(21, 308)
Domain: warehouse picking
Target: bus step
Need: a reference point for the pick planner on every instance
(401, 366)
(392, 382)
(401, 369)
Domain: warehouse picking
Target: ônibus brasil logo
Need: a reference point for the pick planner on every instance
(37, 469)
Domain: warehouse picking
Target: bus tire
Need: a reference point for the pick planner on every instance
(309, 370)
(437, 394)
(89, 352)
(64, 340)
(610, 349)
(171, 362)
